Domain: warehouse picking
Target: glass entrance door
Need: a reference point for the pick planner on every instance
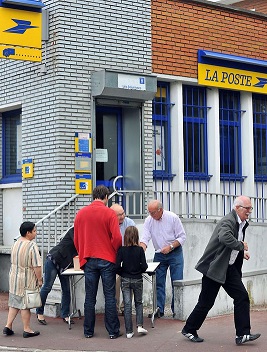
(108, 146)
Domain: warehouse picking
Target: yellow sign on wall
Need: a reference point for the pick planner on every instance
(20, 34)
(20, 53)
(27, 168)
(83, 184)
(232, 78)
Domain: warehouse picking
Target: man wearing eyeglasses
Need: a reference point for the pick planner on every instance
(221, 265)
(166, 231)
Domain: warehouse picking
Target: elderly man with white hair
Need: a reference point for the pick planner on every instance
(221, 266)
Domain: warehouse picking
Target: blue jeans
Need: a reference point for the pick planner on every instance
(93, 270)
(135, 286)
(175, 261)
(50, 274)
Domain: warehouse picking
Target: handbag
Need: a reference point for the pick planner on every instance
(32, 298)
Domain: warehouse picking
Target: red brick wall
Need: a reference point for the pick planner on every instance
(180, 28)
(258, 5)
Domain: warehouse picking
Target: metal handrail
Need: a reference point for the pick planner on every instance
(55, 225)
(186, 204)
(57, 209)
(115, 192)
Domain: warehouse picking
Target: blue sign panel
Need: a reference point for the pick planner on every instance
(27, 3)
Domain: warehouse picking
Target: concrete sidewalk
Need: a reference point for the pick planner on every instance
(166, 336)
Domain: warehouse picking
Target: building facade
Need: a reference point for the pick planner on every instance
(215, 141)
(44, 104)
(130, 76)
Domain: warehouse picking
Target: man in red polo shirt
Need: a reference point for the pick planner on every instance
(97, 238)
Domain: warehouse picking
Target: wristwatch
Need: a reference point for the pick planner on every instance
(172, 248)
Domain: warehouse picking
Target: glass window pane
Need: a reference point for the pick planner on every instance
(259, 132)
(12, 142)
(230, 124)
(161, 136)
(195, 140)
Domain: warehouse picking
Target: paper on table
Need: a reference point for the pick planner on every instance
(152, 266)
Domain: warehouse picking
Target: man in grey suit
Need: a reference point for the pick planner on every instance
(221, 265)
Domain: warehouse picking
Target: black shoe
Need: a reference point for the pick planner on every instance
(191, 337)
(246, 338)
(88, 336)
(7, 331)
(67, 321)
(30, 334)
(41, 321)
(112, 337)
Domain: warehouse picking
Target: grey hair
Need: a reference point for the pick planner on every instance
(239, 201)
(153, 201)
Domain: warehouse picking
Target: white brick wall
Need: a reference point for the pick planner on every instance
(83, 36)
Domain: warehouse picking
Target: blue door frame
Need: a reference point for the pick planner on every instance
(115, 115)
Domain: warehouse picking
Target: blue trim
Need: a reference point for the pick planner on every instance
(162, 175)
(29, 4)
(259, 136)
(193, 120)
(163, 120)
(197, 176)
(232, 107)
(259, 178)
(118, 113)
(105, 183)
(232, 177)
(11, 179)
(231, 61)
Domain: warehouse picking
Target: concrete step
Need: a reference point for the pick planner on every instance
(53, 302)
(55, 294)
(52, 309)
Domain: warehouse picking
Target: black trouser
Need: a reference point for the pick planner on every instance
(210, 288)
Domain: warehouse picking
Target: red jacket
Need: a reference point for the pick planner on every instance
(96, 233)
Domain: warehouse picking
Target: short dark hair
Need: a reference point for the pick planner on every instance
(131, 236)
(25, 227)
(100, 192)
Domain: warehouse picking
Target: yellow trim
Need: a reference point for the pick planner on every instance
(230, 78)
(26, 54)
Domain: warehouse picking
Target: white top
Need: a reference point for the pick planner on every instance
(234, 252)
(164, 231)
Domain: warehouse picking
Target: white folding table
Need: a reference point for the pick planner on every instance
(150, 272)
(71, 273)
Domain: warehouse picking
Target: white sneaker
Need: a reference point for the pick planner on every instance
(141, 330)
(130, 335)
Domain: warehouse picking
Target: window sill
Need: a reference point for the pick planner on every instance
(232, 177)
(11, 179)
(196, 176)
(259, 178)
(161, 175)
